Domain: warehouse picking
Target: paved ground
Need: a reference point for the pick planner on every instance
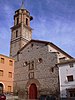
(10, 97)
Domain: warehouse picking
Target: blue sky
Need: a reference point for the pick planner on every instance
(54, 21)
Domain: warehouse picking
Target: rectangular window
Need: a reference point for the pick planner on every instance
(52, 69)
(70, 78)
(26, 21)
(1, 72)
(17, 21)
(10, 62)
(9, 88)
(71, 65)
(16, 33)
(72, 94)
(2, 60)
(10, 74)
(31, 75)
(31, 65)
(62, 59)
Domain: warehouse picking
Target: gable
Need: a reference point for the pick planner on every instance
(39, 43)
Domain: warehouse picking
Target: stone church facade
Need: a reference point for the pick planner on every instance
(35, 72)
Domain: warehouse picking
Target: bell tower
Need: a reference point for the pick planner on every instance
(21, 32)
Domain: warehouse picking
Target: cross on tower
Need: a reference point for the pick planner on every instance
(22, 6)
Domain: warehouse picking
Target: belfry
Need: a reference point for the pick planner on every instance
(21, 32)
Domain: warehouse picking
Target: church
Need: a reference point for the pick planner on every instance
(35, 71)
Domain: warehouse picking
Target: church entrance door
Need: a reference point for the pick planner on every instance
(33, 91)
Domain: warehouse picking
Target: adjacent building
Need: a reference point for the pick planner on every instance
(35, 71)
(67, 79)
(6, 74)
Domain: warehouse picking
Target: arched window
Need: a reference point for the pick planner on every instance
(17, 21)
(40, 60)
(16, 33)
(1, 88)
(26, 21)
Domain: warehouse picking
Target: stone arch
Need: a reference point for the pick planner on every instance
(34, 85)
(35, 81)
(1, 87)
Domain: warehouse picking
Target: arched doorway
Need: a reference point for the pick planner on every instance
(33, 91)
(1, 88)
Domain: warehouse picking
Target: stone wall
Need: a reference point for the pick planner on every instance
(44, 74)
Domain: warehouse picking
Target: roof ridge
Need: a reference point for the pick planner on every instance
(47, 42)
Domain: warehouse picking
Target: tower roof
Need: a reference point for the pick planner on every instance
(22, 5)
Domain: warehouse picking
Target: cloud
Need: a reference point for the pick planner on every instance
(54, 20)
(58, 31)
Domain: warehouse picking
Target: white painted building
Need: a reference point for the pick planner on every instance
(67, 78)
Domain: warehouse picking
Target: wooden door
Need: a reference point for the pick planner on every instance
(33, 92)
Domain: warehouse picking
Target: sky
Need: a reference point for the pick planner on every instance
(53, 21)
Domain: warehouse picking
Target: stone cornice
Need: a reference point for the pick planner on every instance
(21, 14)
(29, 28)
(19, 25)
(20, 38)
(16, 26)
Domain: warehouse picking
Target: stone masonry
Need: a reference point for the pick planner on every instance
(45, 73)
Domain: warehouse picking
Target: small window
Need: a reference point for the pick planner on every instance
(40, 60)
(25, 64)
(16, 33)
(10, 74)
(26, 21)
(1, 72)
(31, 75)
(10, 62)
(9, 88)
(71, 65)
(72, 93)
(31, 45)
(62, 59)
(52, 69)
(70, 78)
(17, 21)
(2, 60)
(31, 65)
